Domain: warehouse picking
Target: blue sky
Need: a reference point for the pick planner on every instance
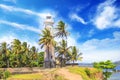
(94, 25)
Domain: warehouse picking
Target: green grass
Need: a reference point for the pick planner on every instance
(26, 76)
(81, 71)
(51, 73)
(88, 74)
(59, 77)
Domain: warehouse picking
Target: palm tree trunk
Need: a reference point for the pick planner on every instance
(7, 63)
(61, 61)
(49, 63)
(73, 63)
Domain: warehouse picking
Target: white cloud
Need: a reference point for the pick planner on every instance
(11, 36)
(13, 1)
(71, 41)
(98, 49)
(74, 16)
(40, 15)
(91, 32)
(117, 23)
(101, 55)
(7, 39)
(79, 8)
(27, 11)
(104, 49)
(20, 26)
(106, 43)
(107, 15)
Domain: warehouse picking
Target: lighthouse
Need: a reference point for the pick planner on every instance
(49, 56)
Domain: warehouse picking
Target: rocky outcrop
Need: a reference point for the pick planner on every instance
(99, 75)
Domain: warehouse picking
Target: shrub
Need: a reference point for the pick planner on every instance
(6, 74)
(1, 74)
(87, 71)
(33, 64)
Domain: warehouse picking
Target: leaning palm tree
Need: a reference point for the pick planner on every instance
(62, 50)
(74, 56)
(47, 41)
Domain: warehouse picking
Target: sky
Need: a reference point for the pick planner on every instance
(94, 25)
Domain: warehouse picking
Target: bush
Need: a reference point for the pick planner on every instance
(6, 74)
(33, 64)
(87, 71)
(1, 74)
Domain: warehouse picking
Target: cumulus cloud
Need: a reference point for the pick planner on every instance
(107, 15)
(98, 49)
(102, 44)
(7, 39)
(74, 16)
(20, 26)
(101, 55)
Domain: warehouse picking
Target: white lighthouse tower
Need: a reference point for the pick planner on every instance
(49, 56)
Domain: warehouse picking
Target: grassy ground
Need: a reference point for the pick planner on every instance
(86, 73)
(47, 74)
(26, 76)
(51, 74)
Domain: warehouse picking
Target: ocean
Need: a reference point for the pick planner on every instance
(115, 76)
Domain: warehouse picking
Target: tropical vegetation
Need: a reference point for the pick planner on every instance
(19, 54)
(86, 73)
(105, 66)
(62, 49)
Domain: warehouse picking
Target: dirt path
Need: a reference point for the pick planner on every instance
(68, 75)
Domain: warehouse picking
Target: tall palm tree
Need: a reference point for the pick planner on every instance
(74, 56)
(16, 49)
(24, 53)
(5, 53)
(63, 50)
(47, 41)
(61, 30)
(16, 46)
(33, 52)
(62, 33)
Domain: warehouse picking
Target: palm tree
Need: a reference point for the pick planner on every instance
(47, 41)
(74, 56)
(16, 49)
(63, 50)
(61, 30)
(33, 51)
(62, 33)
(16, 46)
(5, 53)
(24, 54)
